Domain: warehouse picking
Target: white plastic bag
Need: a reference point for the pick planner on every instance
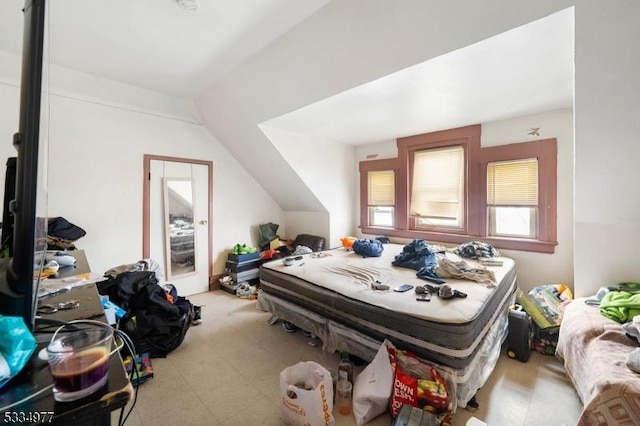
(372, 387)
(306, 390)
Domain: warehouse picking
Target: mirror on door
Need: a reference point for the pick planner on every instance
(179, 227)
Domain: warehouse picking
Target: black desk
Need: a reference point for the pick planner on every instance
(94, 409)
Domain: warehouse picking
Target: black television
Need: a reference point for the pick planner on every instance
(20, 271)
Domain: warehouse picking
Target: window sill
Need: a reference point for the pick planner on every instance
(437, 237)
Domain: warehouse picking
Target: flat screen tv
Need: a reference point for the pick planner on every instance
(19, 272)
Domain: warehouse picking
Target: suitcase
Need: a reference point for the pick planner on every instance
(252, 274)
(520, 335)
(242, 266)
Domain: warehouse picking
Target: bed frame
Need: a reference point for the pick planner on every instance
(329, 294)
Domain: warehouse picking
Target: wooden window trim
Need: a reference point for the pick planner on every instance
(475, 215)
(545, 150)
(374, 166)
(469, 138)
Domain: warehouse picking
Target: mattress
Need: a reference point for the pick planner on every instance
(337, 286)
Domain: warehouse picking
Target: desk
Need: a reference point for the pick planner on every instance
(94, 409)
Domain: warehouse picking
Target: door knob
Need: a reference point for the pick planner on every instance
(203, 222)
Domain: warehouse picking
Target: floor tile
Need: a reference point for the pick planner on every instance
(227, 372)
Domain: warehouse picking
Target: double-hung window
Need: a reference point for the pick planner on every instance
(518, 209)
(512, 198)
(381, 198)
(437, 188)
(378, 193)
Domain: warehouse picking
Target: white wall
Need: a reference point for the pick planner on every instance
(532, 268)
(346, 44)
(538, 268)
(607, 131)
(96, 150)
(9, 112)
(326, 168)
(313, 223)
(370, 39)
(343, 45)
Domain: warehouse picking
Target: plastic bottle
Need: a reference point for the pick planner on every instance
(343, 399)
(345, 368)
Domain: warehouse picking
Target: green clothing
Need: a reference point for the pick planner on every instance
(621, 306)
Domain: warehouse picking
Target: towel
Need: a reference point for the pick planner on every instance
(451, 269)
(620, 306)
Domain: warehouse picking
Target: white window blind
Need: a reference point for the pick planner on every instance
(381, 186)
(513, 183)
(437, 188)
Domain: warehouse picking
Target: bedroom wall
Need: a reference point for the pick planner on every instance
(96, 152)
(343, 45)
(310, 63)
(328, 176)
(532, 268)
(607, 107)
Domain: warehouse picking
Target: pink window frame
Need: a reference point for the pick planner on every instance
(475, 213)
(375, 166)
(545, 151)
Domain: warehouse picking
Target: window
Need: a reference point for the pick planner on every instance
(378, 193)
(512, 198)
(437, 188)
(447, 189)
(519, 196)
(381, 197)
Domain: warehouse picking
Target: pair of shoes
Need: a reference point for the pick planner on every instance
(243, 249)
(245, 290)
(197, 315)
(289, 327)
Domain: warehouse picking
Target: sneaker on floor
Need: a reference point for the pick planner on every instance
(289, 327)
(197, 315)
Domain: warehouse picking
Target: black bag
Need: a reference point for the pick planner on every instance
(154, 334)
(154, 324)
(61, 228)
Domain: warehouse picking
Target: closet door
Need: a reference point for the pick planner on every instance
(178, 221)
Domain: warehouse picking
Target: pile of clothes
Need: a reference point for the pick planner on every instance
(419, 255)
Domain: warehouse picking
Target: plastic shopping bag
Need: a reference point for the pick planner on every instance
(306, 390)
(16, 346)
(420, 384)
(373, 386)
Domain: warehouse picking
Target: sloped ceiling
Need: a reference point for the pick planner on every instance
(526, 70)
(156, 45)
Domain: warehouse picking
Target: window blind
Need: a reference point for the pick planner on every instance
(513, 183)
(437, 185)
(381, 187)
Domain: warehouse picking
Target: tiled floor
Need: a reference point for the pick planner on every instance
(226, 373)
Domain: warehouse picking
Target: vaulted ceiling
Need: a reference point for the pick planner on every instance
(156, 45)
(159, 46)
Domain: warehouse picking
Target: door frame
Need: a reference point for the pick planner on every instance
(146, 200)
